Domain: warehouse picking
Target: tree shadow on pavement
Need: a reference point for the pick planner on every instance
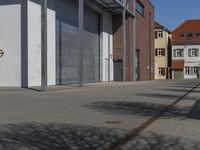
(153, 141)
(178, 90)
(35, 136)
(187, 83)
(157, 95)
(183, 86)
(138, 108)
(52, 136)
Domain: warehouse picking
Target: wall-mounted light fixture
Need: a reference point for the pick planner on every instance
(1, 53)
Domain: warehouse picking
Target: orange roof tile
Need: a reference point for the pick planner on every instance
(177, 64)
(189, 26)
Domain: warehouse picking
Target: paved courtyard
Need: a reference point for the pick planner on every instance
(147, 115)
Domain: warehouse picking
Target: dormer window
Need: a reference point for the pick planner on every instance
(198, 34)
(189, 35)
(182, 35)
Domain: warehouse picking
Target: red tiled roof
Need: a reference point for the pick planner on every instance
(177, 64)
(159, 26)
(189, 26)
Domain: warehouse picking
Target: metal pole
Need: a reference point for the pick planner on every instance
(43, 45)
(81, 52)
(124, 40)
(134, 41)
(109, 58)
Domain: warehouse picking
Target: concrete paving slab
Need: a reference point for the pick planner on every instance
(99, 115)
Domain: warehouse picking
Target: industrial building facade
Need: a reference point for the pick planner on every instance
(21, 43)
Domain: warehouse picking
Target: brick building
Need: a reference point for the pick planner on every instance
(141, 39)
(145, 40)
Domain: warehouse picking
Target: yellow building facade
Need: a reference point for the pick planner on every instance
(162, 52)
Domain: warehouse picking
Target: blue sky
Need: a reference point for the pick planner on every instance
(172, 13)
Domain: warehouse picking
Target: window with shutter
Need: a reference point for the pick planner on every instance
(193, 52)
(189, 53)
(163, 52)
(156, 33)
(156, 52)
(197, 52)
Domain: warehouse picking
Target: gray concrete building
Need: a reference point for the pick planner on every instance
(21, 44)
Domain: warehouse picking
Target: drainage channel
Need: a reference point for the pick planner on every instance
(136, 131)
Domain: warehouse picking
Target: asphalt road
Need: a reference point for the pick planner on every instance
(148, 115)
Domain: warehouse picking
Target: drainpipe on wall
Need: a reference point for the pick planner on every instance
(109, 57)
(81, 14)
(150, 65)
(43, 45)
(124, 39)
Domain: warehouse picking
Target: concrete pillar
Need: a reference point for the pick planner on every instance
(81, 25)
(43, 45)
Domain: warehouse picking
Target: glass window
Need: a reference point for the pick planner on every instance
(193, 52)
(191, 70)
(194, 70)
(160, 52)
(187, 70)
(189, 35)
(139, 7)
(198, 34)
(161, 71)
(159, 34)
(178, 52)
(182, 35)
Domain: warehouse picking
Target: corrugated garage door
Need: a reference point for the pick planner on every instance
(68, 43)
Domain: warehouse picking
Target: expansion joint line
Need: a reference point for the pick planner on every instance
(136, 131)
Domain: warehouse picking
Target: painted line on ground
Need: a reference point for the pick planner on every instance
(136, 131)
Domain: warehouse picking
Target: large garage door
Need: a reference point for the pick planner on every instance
(68, 43)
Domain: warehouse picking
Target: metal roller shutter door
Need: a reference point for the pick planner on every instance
(68, 43)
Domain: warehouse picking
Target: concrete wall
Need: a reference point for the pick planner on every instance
(10, 43)
(34, 44)
(20, 39)
(107, 47)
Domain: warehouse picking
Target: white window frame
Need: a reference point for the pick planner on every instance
(191, 70)
(187, 70)
(159, 34)
(178, 52)
(193, 52)
(161, 71)
(160, 51)
(194, 70)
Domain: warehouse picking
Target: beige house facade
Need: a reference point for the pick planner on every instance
(162, 52)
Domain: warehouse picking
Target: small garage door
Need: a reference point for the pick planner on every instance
(68, 43)
(178, 74)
